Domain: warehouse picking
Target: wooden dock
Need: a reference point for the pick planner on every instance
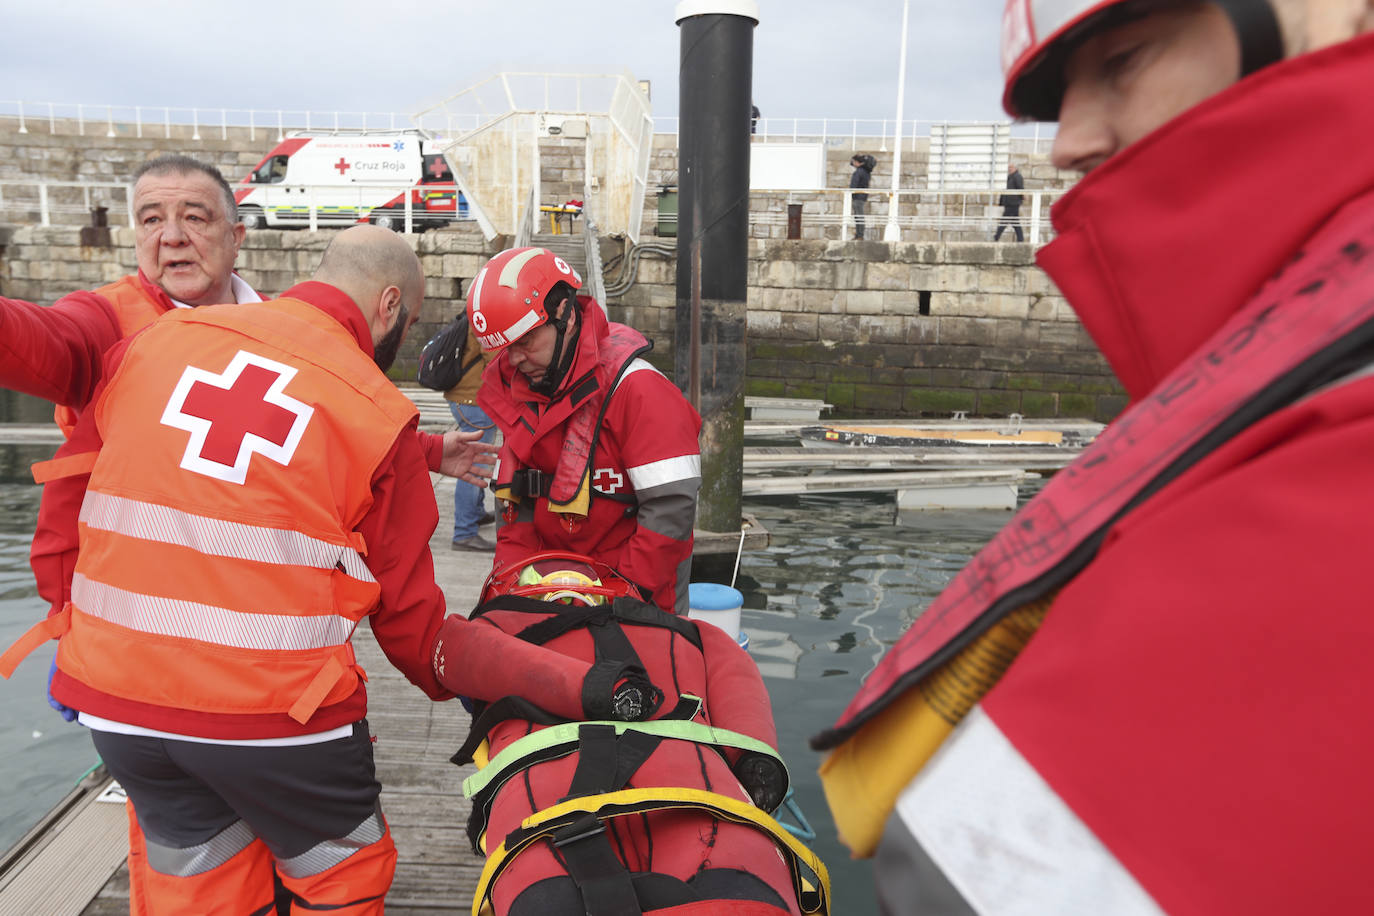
(73, 863)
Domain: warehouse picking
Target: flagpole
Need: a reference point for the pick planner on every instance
(892, 233)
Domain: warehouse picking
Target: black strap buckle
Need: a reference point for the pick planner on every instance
(584, 828)
(531, 483)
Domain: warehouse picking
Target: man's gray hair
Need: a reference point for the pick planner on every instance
(177, 164)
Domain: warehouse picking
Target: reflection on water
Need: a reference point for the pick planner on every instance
(23, 408)
(838, 584)
(41, 756)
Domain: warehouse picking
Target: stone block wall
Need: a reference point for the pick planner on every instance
(907, 330)
(41, 265)
(877, 330)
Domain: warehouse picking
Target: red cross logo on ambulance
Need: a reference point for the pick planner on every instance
(608, 480)
(235, 414)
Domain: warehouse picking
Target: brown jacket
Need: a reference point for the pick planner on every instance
(465, 392)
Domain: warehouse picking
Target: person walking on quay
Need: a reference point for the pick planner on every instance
(599, 454)
(863, 165)
(1011, 204)
(469, 512)
(1155, 666)
(252, 490)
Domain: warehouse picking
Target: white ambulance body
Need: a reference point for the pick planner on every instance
(351, 177)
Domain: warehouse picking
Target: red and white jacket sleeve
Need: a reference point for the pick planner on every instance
(657, 431)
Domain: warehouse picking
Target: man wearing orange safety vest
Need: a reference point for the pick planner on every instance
(1148, 691)
(253, 489)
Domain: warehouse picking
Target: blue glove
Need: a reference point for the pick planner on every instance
(65, 712)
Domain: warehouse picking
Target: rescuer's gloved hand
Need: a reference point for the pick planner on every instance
(65, 712)
(618, 691)
(763, 777)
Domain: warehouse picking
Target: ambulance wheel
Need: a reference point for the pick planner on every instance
(395, 220)
(252, 218)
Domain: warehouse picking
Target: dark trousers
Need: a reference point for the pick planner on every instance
(294, 798)
(860, 207)
(1010, 218)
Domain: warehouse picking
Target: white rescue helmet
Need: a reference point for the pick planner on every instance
(1038, 35)
(509, 297)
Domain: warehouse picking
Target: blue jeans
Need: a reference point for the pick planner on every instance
(467, 499)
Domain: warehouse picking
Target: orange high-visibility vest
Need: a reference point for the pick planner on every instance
(134, 309)
(219, 569)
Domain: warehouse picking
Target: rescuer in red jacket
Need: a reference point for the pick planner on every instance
(1181, 729)
(600, 453)
(253, 489)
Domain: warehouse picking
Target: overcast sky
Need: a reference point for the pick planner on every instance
(812, 58)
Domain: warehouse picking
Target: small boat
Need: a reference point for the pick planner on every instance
(960, 432)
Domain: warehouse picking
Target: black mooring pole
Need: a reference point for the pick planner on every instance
(714, 84)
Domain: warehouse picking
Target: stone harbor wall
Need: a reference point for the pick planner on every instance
(877, 330)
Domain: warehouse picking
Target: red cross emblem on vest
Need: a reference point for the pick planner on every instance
(608, 480)
(236, 413)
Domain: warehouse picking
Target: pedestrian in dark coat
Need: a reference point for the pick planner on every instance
(863, 173)
(1011, 204)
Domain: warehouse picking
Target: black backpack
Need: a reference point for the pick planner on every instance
(441, 361)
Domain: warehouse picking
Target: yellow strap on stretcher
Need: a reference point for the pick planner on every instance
(814, 896)
(863, 776)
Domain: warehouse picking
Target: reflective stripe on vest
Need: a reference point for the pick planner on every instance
(1044, 858)
(810, 879)
(207, 623)
(218, 537)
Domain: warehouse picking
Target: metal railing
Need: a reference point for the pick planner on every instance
(164, 121)
(879, 134)
(945, 214)
(949, 213)
(71, 203)
(871, 135)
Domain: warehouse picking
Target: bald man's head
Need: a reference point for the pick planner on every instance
(379, 271)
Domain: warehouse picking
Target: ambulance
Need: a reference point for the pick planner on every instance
(349, 177)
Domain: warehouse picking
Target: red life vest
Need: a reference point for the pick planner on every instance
(583, 405)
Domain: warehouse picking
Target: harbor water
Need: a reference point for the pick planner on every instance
(841, 580)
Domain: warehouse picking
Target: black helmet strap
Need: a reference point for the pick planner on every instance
(1257, 27)
(564, 345)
